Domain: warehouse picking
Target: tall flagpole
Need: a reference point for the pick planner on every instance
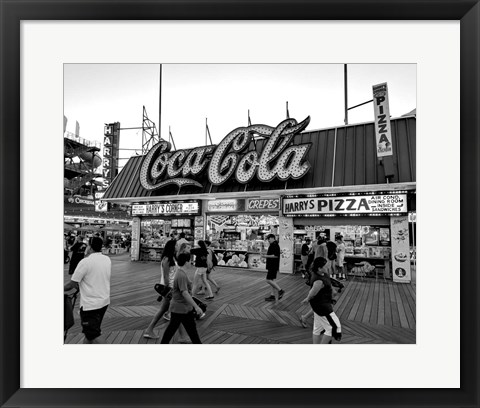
(160, 105)
(346, 92)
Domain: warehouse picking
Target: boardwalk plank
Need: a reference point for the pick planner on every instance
(387, 306)
(381, 304)
(369, 305)
(370, 311)
(376, 295)
(363, 294)
(401, 309)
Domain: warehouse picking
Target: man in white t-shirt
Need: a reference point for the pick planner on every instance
(92, 277)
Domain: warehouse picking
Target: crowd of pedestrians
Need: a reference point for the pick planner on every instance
(90, 272)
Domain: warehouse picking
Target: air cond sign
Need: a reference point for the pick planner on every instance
(344, 205)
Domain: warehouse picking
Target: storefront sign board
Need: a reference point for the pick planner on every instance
(263, 204)
(279, 159)
(400, 249)
(344, 205)
(101, 206)
(286, 240)
(111, 143)
(230, 205)
(199, 228)
(78, 200)
(167, 208)
(383, 131)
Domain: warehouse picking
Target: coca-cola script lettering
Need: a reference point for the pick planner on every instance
(162, 167)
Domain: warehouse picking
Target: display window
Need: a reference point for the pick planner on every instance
(362, 242)
(155, 232)
(240, 239)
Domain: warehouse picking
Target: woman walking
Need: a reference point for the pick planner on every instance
(168, 270)
(211, 263)
(200, 278)
(326, 323)
(182, 307)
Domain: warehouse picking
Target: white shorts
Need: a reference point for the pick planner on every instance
(201, 271)
(327, 323)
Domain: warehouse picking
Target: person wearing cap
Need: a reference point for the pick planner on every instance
(273, 264)
(326, 323)
(92, 277)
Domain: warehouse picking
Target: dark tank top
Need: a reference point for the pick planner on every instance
(322, 302)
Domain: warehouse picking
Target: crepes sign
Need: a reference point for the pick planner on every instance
(318, 206)
(278, 159)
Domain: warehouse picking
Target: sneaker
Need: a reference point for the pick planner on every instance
(281, 293)
(270, 298)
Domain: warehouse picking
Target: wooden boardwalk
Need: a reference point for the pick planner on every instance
(371, 312)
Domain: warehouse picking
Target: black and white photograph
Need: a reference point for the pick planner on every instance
(237, 203)
(240, 204)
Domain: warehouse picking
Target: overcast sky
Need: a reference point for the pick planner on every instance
(96, 94)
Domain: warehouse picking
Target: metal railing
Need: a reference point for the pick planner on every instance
(78, 139)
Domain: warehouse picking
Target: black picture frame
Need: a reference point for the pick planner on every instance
(13, 12)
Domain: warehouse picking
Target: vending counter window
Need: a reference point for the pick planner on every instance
(374, 227)
(370, 243)
(241, 238)
(155, 232)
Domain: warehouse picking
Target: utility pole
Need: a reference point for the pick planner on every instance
(346, 92)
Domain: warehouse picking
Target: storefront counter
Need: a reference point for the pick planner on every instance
(371, 260)
(244, 259)
(150, 253)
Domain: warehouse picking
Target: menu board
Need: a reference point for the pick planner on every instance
(385, 236)
(286, 244)
(400, 249)
(198, 233)
(135, 248)
(372, 237)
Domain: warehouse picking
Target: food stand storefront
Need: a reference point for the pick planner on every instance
(253, 182)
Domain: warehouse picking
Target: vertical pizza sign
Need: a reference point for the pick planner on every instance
(383, 131)
(400, 249)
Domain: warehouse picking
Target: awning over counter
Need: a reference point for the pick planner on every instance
(345, 154)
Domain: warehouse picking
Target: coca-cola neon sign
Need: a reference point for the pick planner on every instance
(278, 159)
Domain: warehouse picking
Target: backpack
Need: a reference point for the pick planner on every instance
(332, 250)
(214, 258)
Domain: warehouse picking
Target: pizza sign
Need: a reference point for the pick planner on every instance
(231, 157)
(344, 205)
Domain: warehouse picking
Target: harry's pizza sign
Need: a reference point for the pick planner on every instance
(318, 206)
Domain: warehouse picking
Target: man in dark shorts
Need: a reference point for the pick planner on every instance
(273, 264)
(92, 277)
